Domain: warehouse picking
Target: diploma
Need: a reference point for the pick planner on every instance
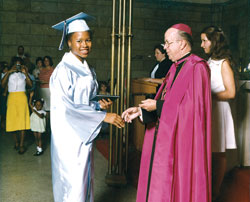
(106, 97)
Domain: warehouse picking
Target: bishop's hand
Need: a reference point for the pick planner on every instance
(131, 113)
(148, 104)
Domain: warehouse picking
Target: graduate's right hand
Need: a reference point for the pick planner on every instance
(114, 119)
(131, 113)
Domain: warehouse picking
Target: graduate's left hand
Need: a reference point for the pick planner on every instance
(105, 104)
(148, 104)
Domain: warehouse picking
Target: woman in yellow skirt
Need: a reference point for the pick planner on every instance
(17, 116)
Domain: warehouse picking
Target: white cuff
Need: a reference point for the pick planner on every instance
(141, 114)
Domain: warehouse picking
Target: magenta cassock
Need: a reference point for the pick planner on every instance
(181, 165)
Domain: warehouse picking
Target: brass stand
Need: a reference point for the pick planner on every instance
(121, 41)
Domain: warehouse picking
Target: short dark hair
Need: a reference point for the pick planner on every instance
(49, 58)
(3, 64)
(20, 47)
(38, 59)
(14, 60)
(160, 47)
(103, 83)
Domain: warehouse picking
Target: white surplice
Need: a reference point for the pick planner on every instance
(75, 122)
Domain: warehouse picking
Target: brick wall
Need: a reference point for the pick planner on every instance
(28, 23)
(152, 20)
(236, 24)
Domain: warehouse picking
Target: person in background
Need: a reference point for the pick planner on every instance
(39, 66)
(215, 45)
(3, 94)
(30, 66)
(163, 65)
(103, 86)
(28, 63)
(35, 73)
(17, 116)
(75, 119)
(44, 91)
(4, 68)
(20, 52)
(176, 156)
(37, 122)
(44, 77)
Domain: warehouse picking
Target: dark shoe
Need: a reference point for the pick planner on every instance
(21, 150)
(38, 153)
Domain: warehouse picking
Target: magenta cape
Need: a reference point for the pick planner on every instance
(181, 169)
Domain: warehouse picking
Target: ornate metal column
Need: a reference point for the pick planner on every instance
(120, 65)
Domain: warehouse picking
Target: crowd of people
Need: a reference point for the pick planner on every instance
(25, 98)
(34, 85)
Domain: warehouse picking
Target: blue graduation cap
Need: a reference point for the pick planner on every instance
(76, 23)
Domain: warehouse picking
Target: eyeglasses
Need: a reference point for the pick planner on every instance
(167, 44)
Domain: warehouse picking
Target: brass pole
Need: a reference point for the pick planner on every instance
(122, 79)
(118, 82)
(128, 76)
(112, 86)
(119, 141)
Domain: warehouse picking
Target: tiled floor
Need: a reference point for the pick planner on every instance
(26, 178)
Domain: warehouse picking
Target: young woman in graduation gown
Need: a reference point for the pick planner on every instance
(75, 119)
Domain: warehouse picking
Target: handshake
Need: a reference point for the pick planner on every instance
(129, 114)
(133, 112)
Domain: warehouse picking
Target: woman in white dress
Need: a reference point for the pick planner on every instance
(75, 119)
(215, 45)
